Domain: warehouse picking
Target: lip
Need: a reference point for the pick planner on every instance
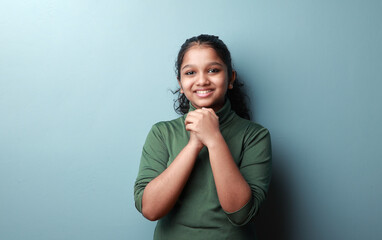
(203, 92)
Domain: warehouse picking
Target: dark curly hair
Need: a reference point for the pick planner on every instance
(235, 95)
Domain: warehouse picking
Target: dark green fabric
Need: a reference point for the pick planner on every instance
(197, 213)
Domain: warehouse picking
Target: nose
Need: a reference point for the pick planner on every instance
(202, 80)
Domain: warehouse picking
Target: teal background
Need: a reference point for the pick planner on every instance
(81, 83)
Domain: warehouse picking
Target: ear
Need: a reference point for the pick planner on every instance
(180, 86)
(232, 80)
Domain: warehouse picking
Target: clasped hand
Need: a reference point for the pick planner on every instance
(203, 125)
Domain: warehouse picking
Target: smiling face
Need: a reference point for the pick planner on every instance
(204, 78)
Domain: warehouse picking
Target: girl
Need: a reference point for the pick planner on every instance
(205, 174)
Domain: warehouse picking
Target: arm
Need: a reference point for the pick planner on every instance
(254, 168)
(161, 194)
(232, 189)
(157, 186)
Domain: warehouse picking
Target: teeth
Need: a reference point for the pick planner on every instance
(203, 92)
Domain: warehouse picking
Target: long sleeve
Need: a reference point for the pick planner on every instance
(255, 167)
(153, 162)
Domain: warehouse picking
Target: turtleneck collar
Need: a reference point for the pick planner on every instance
(225, 114)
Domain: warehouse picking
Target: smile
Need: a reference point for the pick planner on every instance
(203, 92)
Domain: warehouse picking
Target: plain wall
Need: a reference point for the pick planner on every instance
(81, 83)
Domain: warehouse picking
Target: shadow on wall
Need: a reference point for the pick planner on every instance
(271, 221)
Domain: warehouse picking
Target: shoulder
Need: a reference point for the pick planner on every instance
(162, 132)
(166, 127)
(174, 123)
(250, 126)
(251, 130)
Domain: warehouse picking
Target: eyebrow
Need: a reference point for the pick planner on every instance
(210, 64)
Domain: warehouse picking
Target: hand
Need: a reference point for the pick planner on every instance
(194, 141)
(204, 124)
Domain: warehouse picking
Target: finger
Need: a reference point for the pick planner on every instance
(211, 111)
(190, 115)
(190, 119)
(187, 121)
(194, 117)
(195, 113)
(203, 111)
(198, 112)
(190, 127)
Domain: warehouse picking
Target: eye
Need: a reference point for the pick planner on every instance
(189, 73)
(213, 70)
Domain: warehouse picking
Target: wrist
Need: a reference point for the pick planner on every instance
(215, 141)
(197, 145)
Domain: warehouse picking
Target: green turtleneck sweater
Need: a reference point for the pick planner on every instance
(197, 213)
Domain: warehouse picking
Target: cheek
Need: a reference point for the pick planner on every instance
(184, 86)
(223, 81)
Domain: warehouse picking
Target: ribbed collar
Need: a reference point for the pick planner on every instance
(225, 114)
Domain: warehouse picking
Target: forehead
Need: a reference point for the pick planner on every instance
(201, 54)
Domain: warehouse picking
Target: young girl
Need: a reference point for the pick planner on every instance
(205, 174)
